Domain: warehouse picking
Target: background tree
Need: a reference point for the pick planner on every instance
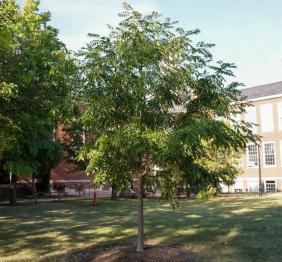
(109, 165)
(222, 166)
(154, 95)
(39, 71)
(8, 90)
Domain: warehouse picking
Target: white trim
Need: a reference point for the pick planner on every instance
(270, 178)
(263, 152)
(263, 98)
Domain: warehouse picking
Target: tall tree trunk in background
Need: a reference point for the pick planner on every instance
(114, 191)
(140, 236)
(13, 189)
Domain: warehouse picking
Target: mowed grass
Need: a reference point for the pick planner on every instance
(237, 228)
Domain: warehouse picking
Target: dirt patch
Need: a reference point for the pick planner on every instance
(160, 253)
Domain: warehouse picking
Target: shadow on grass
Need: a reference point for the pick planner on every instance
(224, 229)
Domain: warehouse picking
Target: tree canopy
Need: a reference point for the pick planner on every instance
(36, 76)
(153, 98)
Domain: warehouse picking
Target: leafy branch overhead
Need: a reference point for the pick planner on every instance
(151, 91)
(36, 79)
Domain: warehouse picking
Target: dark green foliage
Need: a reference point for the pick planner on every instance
(36, 76)
(135, 80)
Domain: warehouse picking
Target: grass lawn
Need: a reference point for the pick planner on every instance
(237, 228)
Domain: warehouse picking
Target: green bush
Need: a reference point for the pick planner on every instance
(207, 193)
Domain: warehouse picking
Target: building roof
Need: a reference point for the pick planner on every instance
(263, 90)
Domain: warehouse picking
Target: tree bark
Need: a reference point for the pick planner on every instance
(114, 191)
(13, 190)
(34, 193)
(140, 236)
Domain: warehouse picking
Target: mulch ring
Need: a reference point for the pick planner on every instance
(156, 253)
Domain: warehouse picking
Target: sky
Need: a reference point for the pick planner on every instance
(245, 32)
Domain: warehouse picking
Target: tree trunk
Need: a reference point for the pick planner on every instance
(188, 192)
(34, 195)
(140, 237)
(114, 191)
(13, 190)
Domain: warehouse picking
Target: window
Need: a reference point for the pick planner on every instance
(238, 187)
(252, 155)
(270, 186)
(269, 154)
(266, 118)
(251, 117)
(253, 186)
(279, 107)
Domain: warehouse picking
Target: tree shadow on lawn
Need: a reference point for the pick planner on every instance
(240, 229)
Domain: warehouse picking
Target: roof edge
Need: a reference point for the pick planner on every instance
(272, 83)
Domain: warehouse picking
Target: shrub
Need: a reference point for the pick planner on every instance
(207, 193)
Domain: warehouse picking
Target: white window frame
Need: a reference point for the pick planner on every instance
(248, 161)
(254, 123)
(279, 113)
(275, 183)
(238, 186)
(261, 118)
(275, 158)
